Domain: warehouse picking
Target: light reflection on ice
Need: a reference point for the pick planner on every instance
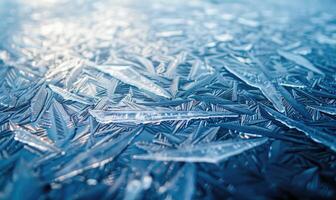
(110, 99)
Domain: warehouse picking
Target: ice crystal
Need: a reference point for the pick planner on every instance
(172, 99)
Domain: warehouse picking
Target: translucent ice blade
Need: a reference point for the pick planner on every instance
(130, 76)
(146, 63)
(97, 156)
(172, 67)
(315, 134)
(209, 153)
(34, 141)
(325, 109)
(174, 88)
(201, 82)
(73, 76)
(299, 107)
(38, 103)
(68, 95)
(63, 67)
(61, 129)
(196, 70)
(207, 135)
(259, 80)
(227, 104)
(300, 60)
(256, 130)
(145, 117)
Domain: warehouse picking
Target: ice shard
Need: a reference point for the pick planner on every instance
(209, 153)
(130, 76)
(34, 141)
(327, 139)
(258, 80)
(300, 60)
(167, 99)
(145, 117)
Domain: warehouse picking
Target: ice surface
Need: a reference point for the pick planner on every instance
(159, 99)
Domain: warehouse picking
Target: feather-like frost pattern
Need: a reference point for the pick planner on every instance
(167, 99)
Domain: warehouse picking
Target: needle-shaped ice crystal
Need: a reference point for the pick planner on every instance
(145, 117)
(97, 156)
(209, 153)
(325, 109)
(316, 135)
(68, 95)
(29, 139)
(259, 80)
(61, 129)
(300, 60)
(38, 103)
(130, 76)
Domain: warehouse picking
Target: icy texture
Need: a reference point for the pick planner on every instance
(211, 152)
(159, 99)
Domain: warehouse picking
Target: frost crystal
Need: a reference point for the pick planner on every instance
(154, 99)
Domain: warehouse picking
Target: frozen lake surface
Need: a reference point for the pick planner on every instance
(167, 99)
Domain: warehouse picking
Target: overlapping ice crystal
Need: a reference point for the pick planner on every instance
(167, 99)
